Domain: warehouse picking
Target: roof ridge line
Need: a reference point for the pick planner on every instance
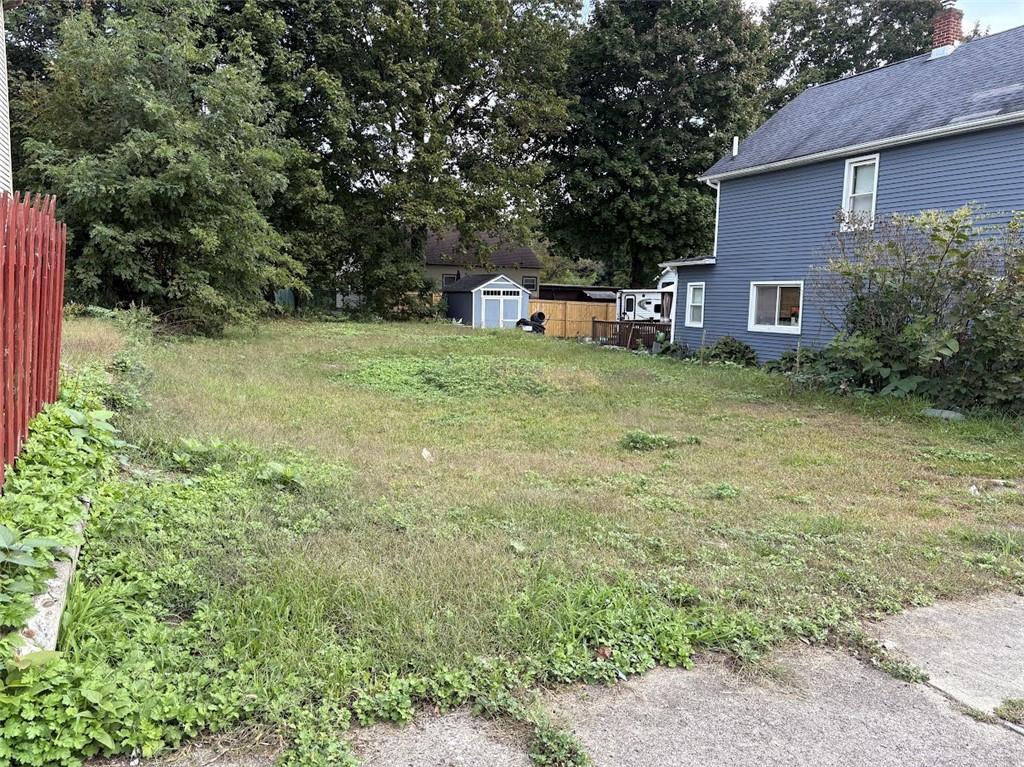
(911, 58)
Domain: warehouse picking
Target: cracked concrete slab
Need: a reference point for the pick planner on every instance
(834, 710)
(453, 740)
(972, 651)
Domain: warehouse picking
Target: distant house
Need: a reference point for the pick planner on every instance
(447, 258)
(932, 132)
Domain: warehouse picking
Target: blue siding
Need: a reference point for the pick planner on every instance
(460, 307)
(778, 226)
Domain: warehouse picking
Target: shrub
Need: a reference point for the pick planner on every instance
(797, 360)
(729, 349)
(165, 200)
(931, 304)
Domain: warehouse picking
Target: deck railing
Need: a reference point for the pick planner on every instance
(629, 334)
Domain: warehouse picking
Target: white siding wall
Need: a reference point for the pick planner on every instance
(6, 183)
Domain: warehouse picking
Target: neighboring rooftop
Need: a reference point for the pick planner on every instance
(470, 283)
(487, 250)
(981, 81)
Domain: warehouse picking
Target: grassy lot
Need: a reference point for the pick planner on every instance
(468, 497)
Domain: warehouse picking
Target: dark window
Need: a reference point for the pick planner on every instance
(530, 283)
(448, 279)
(630, 303)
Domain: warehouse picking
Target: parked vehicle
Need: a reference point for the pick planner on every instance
(648, 303)
(644, 304)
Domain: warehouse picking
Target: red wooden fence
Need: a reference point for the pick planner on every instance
(32, 245)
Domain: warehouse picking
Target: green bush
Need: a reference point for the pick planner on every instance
(729, 349)
(933, 305)
(161, 146)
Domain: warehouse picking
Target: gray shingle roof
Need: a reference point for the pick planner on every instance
(982, 78)
(445, 249)
(469, 283)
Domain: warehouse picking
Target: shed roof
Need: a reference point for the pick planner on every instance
(473, 281)
(980, 83)
(446, 249)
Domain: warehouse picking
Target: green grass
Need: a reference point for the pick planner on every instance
(1012, 711)
(467, 498)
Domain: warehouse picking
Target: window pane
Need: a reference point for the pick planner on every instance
(764, 305)
(860, 205)
(789, 306)
(863, 178)
(697, 296)
(697, 314)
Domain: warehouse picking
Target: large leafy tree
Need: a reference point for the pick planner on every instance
(657, 90)
(814, 41)
(414, 115)
(161, 146)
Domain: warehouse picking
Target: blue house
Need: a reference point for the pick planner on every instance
(933, 132)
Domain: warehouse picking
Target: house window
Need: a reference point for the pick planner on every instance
(859, 191)
(775, 307)
(530, 283)
(448, 279)
(695, 305)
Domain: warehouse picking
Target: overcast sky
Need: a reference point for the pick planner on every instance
(997, 15)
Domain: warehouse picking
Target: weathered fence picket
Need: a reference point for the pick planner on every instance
(32, 246)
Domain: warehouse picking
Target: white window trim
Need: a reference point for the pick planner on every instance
(792, 330)
(852, 163)
(689, 304)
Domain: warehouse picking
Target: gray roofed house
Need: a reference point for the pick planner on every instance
(447, 258)
(936, 131)
(980, 83)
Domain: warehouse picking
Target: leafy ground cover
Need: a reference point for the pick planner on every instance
(325, 523)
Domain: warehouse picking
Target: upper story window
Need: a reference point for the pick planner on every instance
(859, 191)
(530, 283)
(448, 279)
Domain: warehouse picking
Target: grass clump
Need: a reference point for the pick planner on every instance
(1011, 710)
(718, 491)
(462, 376)
(640, 441)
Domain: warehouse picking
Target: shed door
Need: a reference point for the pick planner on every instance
(501, 308)
(491, 311)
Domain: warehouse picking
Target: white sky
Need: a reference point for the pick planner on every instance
(996, 15)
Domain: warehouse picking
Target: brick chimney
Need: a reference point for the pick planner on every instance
(947, 25)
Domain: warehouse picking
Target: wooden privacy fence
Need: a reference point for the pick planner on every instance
(629, 334)
(32, 244)
(571, 319)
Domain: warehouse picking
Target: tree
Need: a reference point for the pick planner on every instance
(161, 147)
(657, 91)
(419, 115)
(814, 41)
